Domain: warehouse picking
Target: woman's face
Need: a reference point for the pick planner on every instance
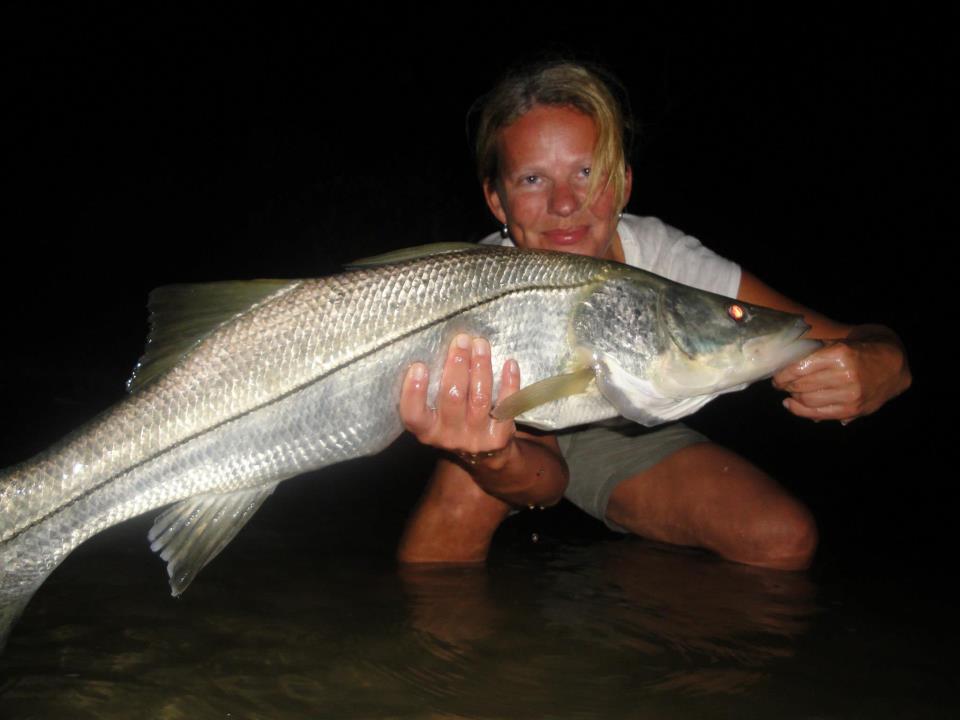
(545, 158)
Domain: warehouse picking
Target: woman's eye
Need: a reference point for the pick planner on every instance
(585, 172)
(531, 179)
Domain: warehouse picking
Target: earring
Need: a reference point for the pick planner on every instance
(504, 231)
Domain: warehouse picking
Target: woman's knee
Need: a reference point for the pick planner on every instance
(770, 527)
(785, 537)
(710, 497)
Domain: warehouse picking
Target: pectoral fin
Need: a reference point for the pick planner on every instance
(191, 533)
(553, 388)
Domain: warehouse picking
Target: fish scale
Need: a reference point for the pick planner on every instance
(303, 377)
(226, 375)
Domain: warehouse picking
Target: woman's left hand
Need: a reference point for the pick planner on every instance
(847, 378)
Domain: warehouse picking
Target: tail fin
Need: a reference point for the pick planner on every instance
(19, 580)
(11, 608)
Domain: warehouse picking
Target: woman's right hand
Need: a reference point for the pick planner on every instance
(461, 421)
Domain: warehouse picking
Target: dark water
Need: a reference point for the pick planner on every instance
(305, 615)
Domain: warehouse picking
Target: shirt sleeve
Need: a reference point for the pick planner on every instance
(666, 251)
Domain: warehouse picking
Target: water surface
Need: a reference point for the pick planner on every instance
(305, 615)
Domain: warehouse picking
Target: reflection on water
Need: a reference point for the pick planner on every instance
(586, 631)
(616, 619)
(612, 628)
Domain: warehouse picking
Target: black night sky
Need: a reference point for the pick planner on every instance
(146, 147)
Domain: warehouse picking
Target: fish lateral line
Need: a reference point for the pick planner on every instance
(279, 398)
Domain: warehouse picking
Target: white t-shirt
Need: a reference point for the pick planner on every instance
(650, 244)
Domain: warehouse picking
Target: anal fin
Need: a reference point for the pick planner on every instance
(191, 533)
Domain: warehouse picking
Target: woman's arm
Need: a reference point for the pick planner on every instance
(860, 368)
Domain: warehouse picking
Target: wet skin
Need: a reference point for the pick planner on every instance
(703, 495)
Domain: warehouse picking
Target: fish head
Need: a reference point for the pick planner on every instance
(715, 344)
(661, 350)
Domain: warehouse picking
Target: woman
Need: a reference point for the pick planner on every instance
(551, 159)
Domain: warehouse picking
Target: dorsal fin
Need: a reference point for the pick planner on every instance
(412, 253)
(182, 315)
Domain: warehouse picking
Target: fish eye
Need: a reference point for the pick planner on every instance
(737, 312)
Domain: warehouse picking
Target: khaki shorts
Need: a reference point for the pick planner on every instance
(601, 457)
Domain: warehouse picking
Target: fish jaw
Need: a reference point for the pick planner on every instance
(678, 386)
(643, 399)
(775, 353)
(734, 366)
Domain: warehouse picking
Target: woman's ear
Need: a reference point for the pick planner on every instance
(492, 195)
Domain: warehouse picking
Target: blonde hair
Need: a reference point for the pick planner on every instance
(560, 83)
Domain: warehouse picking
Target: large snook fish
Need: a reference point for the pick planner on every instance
(244, 385)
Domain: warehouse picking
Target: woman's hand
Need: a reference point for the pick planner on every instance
(860, 368)
(515, 467)
(461, 422)
(847, 378)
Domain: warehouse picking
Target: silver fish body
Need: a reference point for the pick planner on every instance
(309, 375)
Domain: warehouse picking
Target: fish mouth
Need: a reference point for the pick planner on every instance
(796, 332)
(800, 327)
(785, 347)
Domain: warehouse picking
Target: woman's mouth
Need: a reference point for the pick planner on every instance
(566, 236)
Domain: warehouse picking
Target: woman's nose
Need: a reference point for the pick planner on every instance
(564, 200)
